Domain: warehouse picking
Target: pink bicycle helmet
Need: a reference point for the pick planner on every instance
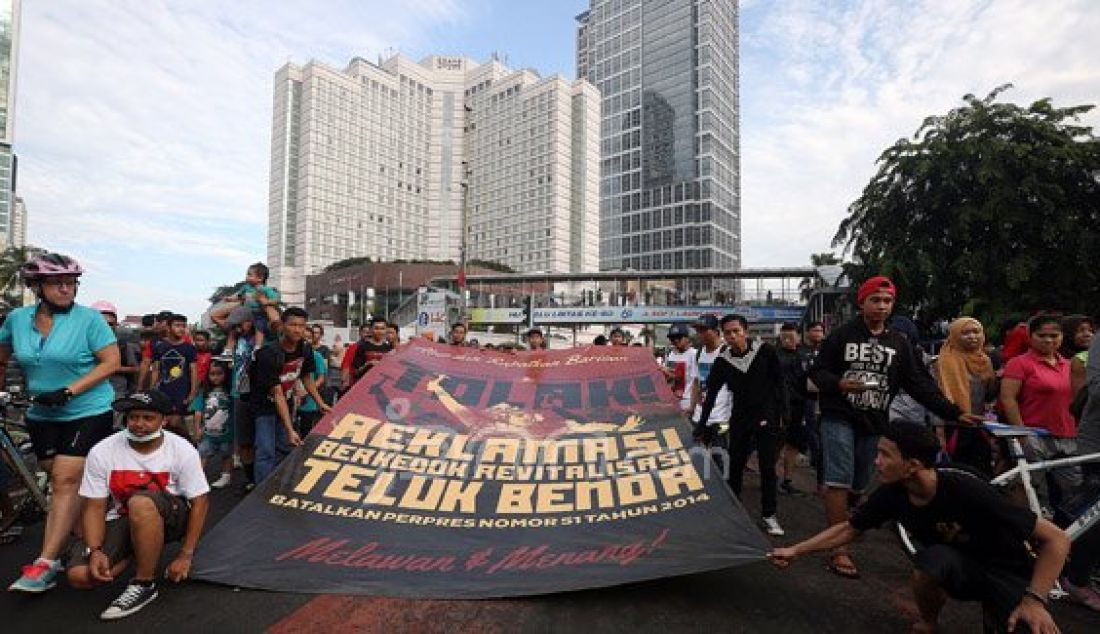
(49, 265)
(105, 306)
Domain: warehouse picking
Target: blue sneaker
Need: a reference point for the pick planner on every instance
(37, 577)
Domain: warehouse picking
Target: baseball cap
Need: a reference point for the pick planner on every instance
(876, 284)
(151, 400)
(677, 331)
(238, 316)
(707, 322)
(165, 315)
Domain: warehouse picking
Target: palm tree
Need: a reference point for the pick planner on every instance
(808, 285)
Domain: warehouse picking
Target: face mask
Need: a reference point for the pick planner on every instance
(150, 437)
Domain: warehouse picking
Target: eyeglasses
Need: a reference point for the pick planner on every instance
(58, 283)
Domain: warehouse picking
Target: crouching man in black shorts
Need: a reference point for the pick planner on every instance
(142, 488)
(974, 539)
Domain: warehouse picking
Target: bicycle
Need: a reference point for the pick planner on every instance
(16, 452)
(1011, 434)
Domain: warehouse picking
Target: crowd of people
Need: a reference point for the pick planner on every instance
(861, 399)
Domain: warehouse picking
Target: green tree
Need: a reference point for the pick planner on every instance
(991, 209)
(11, 287)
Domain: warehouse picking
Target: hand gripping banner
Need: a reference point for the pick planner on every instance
(450, 472)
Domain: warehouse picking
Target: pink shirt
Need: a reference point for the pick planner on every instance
(1044, 395)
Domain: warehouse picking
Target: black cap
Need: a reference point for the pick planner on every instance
(151, 400)
(677, 331)
(707, 322)
(165, 315)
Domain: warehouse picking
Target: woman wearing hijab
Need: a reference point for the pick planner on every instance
(965, 374)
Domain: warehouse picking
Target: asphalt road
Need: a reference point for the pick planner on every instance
(755, 598)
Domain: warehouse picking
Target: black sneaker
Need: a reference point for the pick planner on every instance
(136, 596)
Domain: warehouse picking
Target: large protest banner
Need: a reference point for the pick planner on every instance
(451, 472)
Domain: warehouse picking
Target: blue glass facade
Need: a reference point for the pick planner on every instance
(670, 167)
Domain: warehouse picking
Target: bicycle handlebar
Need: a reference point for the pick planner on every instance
(998, 429)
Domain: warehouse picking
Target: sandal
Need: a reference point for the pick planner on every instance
(841, 565)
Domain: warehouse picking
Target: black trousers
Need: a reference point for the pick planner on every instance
(964, 578)
(766, 439)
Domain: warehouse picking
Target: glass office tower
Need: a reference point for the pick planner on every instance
(667, 72)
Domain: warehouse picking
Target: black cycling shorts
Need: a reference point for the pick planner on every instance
(69, 438)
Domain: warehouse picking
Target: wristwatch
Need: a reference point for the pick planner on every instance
(88, 550)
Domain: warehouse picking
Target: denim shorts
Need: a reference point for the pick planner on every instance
(848, 456)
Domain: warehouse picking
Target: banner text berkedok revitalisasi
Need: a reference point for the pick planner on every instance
(371, 462)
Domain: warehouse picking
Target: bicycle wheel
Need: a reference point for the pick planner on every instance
(17, 460)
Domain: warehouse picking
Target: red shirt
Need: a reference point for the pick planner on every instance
(203, 360)
(1017, 342)
(349, 354)
(1044, 395)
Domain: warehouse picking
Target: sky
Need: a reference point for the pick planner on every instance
(143, 126)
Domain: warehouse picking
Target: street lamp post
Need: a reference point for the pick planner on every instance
(464, 243)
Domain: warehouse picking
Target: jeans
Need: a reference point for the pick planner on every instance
(1059, 484)
(271, 445)
(848, 456)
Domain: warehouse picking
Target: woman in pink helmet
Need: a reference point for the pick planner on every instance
(67, 352)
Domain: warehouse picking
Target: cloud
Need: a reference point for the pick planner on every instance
(825, 91)
(143, 128)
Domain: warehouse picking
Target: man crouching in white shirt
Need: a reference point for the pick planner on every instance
(142, 488)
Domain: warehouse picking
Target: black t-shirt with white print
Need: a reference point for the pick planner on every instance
(273, 365)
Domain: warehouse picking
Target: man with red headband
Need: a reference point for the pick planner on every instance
(861, 367)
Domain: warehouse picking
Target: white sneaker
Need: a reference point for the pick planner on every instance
(221, 482)
(771, 525)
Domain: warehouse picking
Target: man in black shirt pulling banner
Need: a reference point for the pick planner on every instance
(974, 539)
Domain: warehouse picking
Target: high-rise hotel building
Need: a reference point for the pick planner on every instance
(667, 73)
(394, 160)
(9, 49)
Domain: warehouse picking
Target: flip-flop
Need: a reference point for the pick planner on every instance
(847, 572)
